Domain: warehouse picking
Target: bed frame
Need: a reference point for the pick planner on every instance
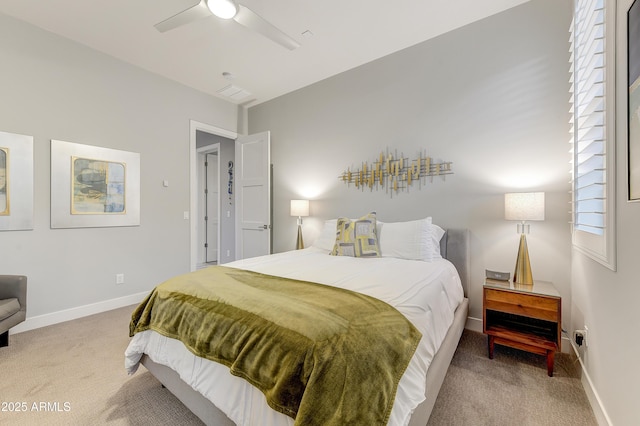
(454, 246)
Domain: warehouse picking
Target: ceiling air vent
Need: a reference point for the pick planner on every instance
(234, 92)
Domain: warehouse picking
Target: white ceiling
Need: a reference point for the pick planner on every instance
(346, 34)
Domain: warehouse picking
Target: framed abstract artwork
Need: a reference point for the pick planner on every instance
(93, 186)
(633, 102)
(16, 182)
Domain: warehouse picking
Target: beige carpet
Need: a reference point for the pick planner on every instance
(511, 389)
(73, 374)
(81, 363)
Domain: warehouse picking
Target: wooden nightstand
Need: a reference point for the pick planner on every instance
(526, 317)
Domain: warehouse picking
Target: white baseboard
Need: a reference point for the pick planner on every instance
(474, 324)
(79, 312)
(598, 410)
(594, 399)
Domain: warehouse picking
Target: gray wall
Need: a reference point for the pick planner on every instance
(491, 97)
(56, 89)
(605, 300)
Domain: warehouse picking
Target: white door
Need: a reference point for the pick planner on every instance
(253, 195)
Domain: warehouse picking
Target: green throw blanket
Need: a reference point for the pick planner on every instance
(321, 355)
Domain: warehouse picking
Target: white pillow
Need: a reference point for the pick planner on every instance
(413, 240)
(327, 237)
(436, 235)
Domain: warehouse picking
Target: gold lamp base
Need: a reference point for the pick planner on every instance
(522, 274)
(299, 243)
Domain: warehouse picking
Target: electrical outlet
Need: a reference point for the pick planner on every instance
(228, 253)
(580, 336)
(586, 332)
(119, 278)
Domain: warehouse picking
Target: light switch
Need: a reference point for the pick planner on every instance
(185, 215)
(165, 183)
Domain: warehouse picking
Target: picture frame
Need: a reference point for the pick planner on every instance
(633, 100)
(93, 186)
(16, 182)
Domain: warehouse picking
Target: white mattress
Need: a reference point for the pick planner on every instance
(426, 293)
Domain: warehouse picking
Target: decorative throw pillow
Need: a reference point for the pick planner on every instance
(357, 238)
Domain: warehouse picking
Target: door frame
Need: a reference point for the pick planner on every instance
(194, 126)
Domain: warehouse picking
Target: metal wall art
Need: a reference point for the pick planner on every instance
(230, 184)
(396, 173)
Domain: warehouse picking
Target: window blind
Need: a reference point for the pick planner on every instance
(588, 135)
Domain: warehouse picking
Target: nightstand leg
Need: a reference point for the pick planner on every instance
(550, 358)
(491, 346)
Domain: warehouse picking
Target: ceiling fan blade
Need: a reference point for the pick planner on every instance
(252, 20)
(191, 14)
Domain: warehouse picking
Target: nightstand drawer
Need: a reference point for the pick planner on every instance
(528, 305)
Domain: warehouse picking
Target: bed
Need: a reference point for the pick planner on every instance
(430, 295)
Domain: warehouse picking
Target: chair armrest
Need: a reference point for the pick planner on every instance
(14, 286)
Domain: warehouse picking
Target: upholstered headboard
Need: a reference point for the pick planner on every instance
(454, 246)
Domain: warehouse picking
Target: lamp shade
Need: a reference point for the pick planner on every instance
(524, 206)
(300, 208)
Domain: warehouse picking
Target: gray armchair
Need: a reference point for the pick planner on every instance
(13, 304)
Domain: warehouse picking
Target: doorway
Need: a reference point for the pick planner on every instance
(244, 176)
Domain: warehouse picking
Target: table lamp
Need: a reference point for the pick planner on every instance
(523, 206)
(300, 208)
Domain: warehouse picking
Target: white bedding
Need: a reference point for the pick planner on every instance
(426, 293)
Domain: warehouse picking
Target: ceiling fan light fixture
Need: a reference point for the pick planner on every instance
(223, 9)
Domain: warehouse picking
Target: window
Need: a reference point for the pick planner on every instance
(593, 130)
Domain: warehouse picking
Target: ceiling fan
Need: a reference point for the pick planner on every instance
(228, 9)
